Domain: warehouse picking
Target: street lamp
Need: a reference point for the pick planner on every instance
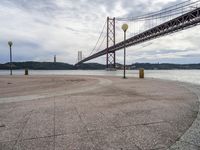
(124, 28)
(10, 45)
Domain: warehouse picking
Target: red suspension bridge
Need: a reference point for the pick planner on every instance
(146, 27)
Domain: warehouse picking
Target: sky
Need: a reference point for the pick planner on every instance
(41, 29)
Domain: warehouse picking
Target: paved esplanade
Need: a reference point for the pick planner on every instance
(97, 113)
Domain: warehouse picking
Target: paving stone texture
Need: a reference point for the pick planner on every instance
(97, 113)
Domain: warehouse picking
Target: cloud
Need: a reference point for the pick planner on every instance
(40, 29)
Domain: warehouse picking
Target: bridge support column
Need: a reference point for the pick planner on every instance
(110, 56)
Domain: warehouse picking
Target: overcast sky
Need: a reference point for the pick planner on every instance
(41, 29)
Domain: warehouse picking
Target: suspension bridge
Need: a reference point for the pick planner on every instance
(143, 28)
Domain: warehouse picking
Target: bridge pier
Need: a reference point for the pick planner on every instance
(110, 56)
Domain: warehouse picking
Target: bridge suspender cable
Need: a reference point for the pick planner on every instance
(98, 39)
(169, 11)
(101, 43)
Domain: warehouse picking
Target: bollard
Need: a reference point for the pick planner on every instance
(26, 71)
(141, 73)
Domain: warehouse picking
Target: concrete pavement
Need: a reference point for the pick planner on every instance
(97, 113)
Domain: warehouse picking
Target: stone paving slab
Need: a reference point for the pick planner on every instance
(111, 139)
(38, 125)
(35, 144)
(190, 140)
(110, 114)
(184, 146)
(74, 141)
(68, 122)
(7, 145)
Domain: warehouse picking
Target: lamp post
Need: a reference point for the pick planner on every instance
(124, 28)
(10, 45)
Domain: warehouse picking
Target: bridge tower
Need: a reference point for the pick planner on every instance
(110, 57)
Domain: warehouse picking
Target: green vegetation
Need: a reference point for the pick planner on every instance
(93, 66)
(38, 66)
(164, 66)
(50, 66)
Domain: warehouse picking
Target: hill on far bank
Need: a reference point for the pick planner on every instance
(38, 65)
(93, 66)
(51, 66)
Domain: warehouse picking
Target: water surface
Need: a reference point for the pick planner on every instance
(191, 76)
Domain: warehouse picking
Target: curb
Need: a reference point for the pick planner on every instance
(190, 140)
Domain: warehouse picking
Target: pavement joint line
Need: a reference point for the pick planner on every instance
(88, 130)
(56, 135)
(189, 143)
(138, 147)
(2, 125)
(54, 123)
(118, 127)
(142, 124)
(85, 126)
(24, 125)
(192, 88)
(159, 148)
(35, 138)
(10, 110)
(8, 141)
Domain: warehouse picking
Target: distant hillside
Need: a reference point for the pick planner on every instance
(164, 66)
(51, 66)
(91, 66)
(94, 66)
(38, 66)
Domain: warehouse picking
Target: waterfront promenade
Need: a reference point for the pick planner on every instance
(97, 113)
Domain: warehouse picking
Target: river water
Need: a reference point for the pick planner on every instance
(191, 76)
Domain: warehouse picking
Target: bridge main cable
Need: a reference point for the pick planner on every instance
(101, 33)
(178, 9)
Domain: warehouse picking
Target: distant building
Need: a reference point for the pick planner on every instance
(80, 56)
(54, 58)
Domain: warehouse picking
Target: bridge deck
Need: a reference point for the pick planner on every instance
(182, 22)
